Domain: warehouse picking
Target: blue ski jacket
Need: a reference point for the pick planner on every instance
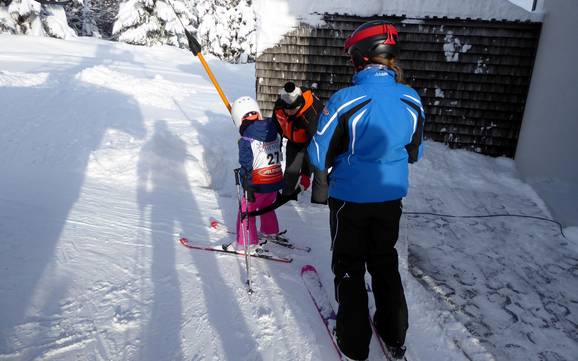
(367, 134)
(260, 156)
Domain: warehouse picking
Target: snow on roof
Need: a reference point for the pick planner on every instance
(277, 17)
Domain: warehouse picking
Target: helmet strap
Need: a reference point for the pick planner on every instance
(359, 61)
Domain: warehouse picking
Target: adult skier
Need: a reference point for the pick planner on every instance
(296, 112)
(368, 135)
(261, 174)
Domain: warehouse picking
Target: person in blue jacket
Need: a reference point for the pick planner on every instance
(367, 135)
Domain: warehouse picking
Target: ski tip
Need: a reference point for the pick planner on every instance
(308, 268)
(184, 240)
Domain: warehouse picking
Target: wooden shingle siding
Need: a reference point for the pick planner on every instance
(474, 89)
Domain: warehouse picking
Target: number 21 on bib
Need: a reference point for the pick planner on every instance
(267, 159)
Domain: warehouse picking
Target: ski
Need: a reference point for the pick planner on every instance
(283, 242)
(185, 242)
(322, 303)
(218, 225)
(382, 345)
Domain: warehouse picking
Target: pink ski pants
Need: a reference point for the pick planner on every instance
(269, 224)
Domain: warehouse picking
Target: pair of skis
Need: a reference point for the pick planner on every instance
(263, 255)
(278, 240)
(328, 316)
(219, 249)
(312, 282)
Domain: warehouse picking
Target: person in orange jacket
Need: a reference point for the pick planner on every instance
(296, 112)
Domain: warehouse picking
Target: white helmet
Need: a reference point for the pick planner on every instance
(241, 107)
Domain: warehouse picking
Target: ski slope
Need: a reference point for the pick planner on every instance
(108, 153)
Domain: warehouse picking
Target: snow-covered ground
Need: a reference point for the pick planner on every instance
(511, 281)
(109, 151)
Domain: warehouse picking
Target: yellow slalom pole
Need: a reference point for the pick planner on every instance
(195, 48)
(214, 80)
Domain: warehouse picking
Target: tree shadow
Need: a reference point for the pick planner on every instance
(49, 131)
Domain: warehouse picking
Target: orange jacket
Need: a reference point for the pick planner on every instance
(299, 128)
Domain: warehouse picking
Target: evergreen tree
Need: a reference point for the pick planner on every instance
(54, 22)
(92, 17)
(23, 17)
(228, 29)
(32, 18)
(225, 28)
(153, 22)
(7, 23)
(81, 17)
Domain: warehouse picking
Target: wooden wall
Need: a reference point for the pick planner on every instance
(473, 76)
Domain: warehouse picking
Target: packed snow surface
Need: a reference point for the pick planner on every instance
(110, 151)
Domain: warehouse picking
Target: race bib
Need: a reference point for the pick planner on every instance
(267, 159)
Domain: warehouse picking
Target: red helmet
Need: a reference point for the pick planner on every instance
(373, 38)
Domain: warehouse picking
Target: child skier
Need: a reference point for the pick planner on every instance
(261, 174)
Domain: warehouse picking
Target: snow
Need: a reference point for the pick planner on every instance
(511, 280)
(110, 151)
(55, 23)
(453, 47)
(275, 18)
(155, 92)
(18, 79)
(481, 66)
(527, 4)
(439, 93)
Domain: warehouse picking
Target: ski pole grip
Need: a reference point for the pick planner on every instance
(237, 177)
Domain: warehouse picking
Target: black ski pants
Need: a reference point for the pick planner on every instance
(364, 235)
(297, 163)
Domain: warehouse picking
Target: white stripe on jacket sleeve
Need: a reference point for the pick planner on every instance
(334, 116)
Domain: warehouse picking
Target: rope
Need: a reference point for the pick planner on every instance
(490, 216)
(279, 201)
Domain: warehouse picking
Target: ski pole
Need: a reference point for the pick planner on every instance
(195, 48)
(247, 239)
(242, 230)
